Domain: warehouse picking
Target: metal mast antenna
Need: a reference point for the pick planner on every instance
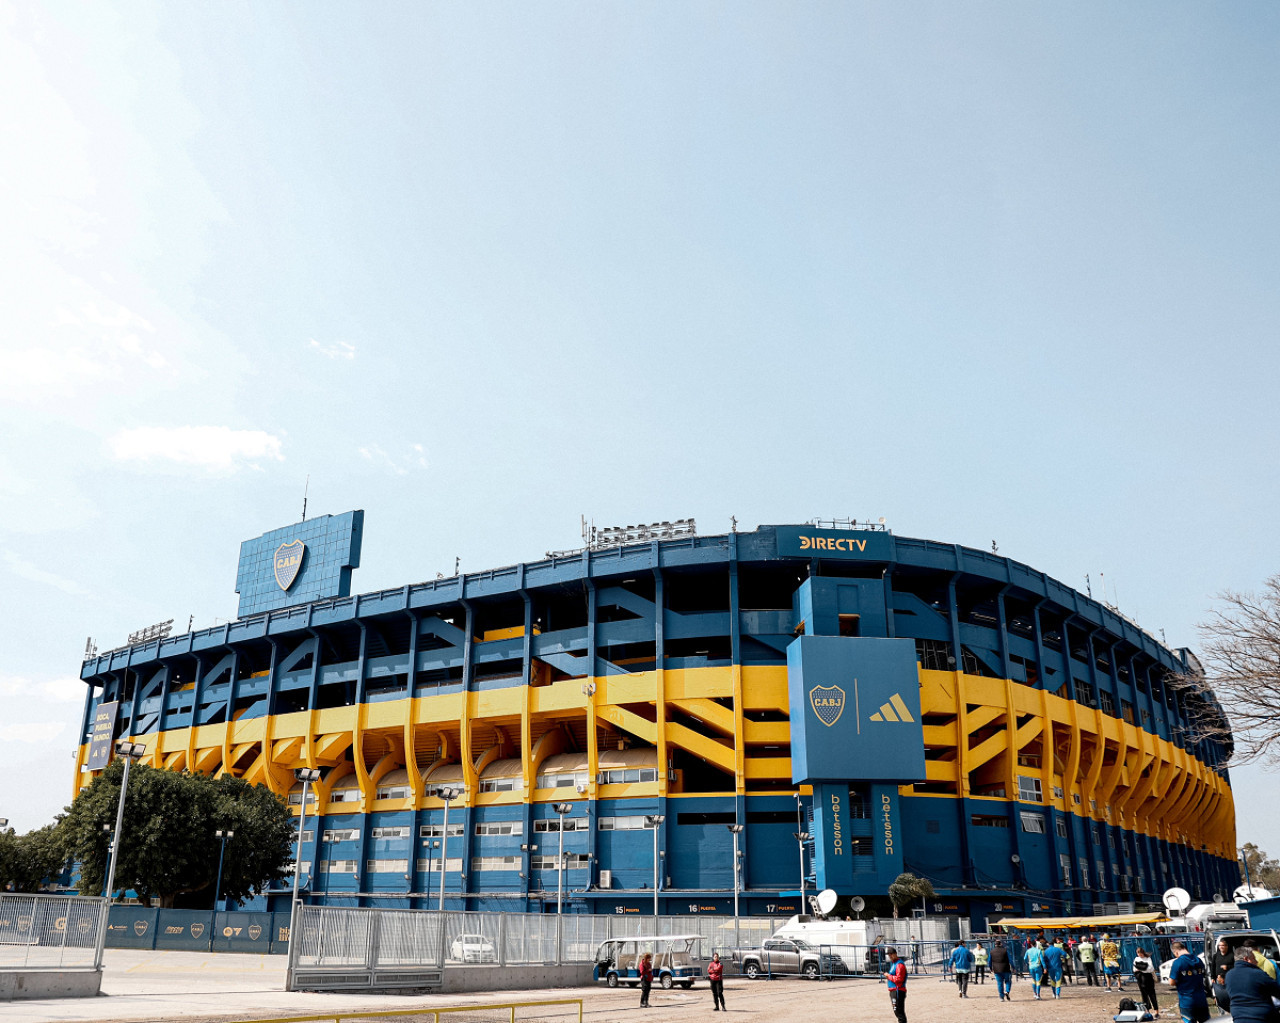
(305, 490)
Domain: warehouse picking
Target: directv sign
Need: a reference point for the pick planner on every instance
(855, 709)
(852, 544)
(310, 560)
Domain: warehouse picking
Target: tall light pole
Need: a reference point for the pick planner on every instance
(448, 795)
(223, 836)
(562, 809)
(654, 821)
(131, 751)
(801, 838)
(308, 776)
(735, 830)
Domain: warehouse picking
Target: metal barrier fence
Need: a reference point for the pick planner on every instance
(50, 932)
(336, 947)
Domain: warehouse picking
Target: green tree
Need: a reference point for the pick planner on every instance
(907, 889)
(1263, 872)
(169, 848)
(28, 861)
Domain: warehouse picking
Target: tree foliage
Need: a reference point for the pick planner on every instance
(907, 889)
(1263, 871)
(1241, 667)
(27, 861)
(169, 848)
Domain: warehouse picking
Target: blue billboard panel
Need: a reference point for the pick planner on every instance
(853, 544)
(310, 560)
(101, 735)
(855, 709)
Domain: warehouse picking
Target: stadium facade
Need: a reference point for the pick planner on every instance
(900, 704)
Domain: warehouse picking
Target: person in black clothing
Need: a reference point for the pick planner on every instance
(1144, 972)
(1000, 970)
(1220, 962)
(1251, 991)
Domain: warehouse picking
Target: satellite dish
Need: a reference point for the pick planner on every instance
(1247, 893)
(1217, 896)
(1176, 899)
(858, 903)
(827, 901)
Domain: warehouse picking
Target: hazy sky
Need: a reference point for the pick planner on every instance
(993, 271)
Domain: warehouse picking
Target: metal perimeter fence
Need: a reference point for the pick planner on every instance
(50, 932)
(346, 947)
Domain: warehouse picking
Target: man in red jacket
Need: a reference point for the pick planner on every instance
(896, 978)
(715, 974)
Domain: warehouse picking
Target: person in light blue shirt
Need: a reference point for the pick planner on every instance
(1053, 959)
(1035, 967)
(962, 963)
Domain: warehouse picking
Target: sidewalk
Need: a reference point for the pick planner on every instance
(140, 985)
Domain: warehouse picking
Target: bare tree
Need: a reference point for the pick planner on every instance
(1241, 667)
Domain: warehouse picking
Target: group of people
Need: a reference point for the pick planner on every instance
(715, 974)
(1243, 982)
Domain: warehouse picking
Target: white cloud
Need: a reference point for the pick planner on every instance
(415, 458)
(215, 448)
(64, 689)
(340, 350)
(35, 732)
(24, 569)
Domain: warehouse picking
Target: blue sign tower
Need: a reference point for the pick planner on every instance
(297, 564)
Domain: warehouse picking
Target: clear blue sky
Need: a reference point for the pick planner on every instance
(994, 271)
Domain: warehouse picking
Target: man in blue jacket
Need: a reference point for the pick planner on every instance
(962, 963)
(1251, 991)
(1053, 959)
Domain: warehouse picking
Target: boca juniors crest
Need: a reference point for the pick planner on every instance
(828, 703)
(288, 562)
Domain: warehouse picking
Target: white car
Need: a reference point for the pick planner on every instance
(473, 948)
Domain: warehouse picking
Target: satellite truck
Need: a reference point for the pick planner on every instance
(1218, 915)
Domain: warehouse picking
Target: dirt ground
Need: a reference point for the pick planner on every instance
(779, 1001)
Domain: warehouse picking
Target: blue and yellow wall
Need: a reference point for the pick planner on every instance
(1064, 763)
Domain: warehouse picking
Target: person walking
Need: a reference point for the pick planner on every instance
(1220, 963)
(1035, 967)
(961, 964)
(1251, 991)
(715, 974)
(1052, 961)
(1089, 960)
(1144, 972)
(646, 978)
(1109, 953)
(1187, 974)
(1002, 971)
(979, 963)
(896, 979)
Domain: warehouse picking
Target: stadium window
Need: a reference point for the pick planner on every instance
(345, 796)
(295, 798)
(565, 780)
(341, 835)
(433, 866)
(1084, 873)
(397, 832)
(572, 861)
(1107, 703)
(1101, 867)
(1064, 861)
(1126, 711)
(1084, 693)
(393, 792)
(629, 823)
(495, 863)
(1032, 823)
(860, 846)
(850, 625)
(628, 775)
(1060, 823)
(338, 866)
(500, 785)
(1029, 789)
(990, 820)
(387, 866)
(307, 835)
(435, 830)
(500, 828)
(570, 824)
(934, 655)
(1093, 833)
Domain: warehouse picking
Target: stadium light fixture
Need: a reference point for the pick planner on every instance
(222, 836)
(308, 776)
(561, 809)
(801, 837)
(735, 830)
(448, 794)
(131, 751)
(4, 822)
(654, 821)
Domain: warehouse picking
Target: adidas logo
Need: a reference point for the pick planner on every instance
(894, 710)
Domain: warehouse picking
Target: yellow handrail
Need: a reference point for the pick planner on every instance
(339, 1017)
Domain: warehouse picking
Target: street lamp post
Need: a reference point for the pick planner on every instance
(561, 809)
(222, 836)
(735, 830)
(107, 831)
(131, 751)
(801, 838)
(308, 776)
(654, 821)
(448, 795)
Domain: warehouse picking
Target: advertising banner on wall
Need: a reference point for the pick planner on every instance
(101, 736)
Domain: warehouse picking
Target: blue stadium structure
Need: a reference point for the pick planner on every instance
(897, 704)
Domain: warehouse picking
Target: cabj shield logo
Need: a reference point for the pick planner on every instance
(828, 703)
(255, 932)
(288, 562)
